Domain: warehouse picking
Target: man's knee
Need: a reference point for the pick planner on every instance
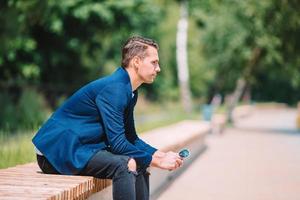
(132, 165)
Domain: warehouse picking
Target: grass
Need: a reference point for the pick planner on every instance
(17, 148)
(145, 122)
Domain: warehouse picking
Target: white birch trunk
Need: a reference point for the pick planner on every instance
(181, 55)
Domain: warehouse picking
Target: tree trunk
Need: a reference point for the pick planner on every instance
(242, 82)
(181, 55)
(234, 98)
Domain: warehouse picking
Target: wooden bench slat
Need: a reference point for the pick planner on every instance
(24, 180)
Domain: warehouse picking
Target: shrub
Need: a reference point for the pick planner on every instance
(32, 109)
(27, 113)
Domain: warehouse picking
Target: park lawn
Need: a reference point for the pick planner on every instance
(165, 119)
(16, 149)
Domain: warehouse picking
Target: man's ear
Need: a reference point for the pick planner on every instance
(136, 62)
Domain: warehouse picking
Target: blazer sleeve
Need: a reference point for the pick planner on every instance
(140, 144)
(111, 103)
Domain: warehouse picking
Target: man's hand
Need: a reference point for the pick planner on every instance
(168, 161)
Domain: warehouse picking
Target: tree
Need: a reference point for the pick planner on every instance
(57, 46)
(54, 47)
(248, 41)
(181, 55)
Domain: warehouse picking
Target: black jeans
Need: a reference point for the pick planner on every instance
(127, 185)
(45, 165)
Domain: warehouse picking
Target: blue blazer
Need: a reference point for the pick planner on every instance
(98, 116)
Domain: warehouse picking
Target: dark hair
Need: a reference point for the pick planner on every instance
(136, 46)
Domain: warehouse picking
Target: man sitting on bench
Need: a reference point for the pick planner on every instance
(93, 132)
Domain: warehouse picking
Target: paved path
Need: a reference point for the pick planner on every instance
(258, 159)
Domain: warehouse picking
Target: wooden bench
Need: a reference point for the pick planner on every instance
(28, 182)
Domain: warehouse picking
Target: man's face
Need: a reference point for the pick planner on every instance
(148, 68)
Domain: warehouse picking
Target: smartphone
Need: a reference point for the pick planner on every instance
(184, 153)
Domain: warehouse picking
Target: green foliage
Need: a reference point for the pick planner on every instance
(57, 46)
(253, 39)
(8, 112)
(27, 113)
(200, 73)
(31, 110)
